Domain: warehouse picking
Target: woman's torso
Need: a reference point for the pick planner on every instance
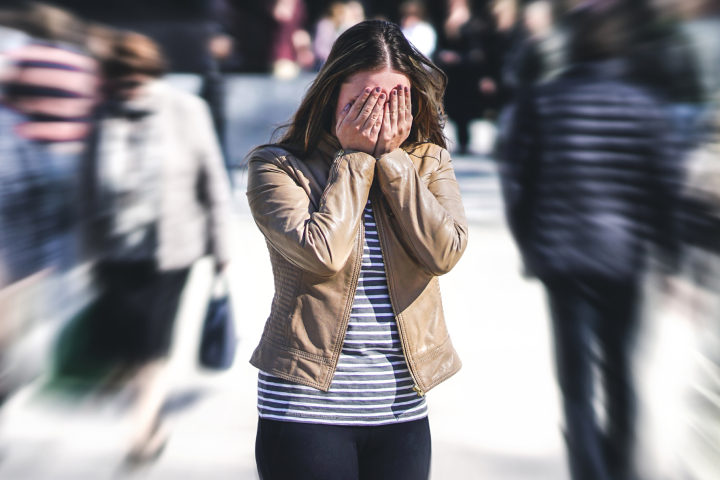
(372, 384)
(309, 313)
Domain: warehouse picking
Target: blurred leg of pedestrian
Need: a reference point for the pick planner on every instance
(616, 336)
(133, 328)
(590, 315)
(150, 431)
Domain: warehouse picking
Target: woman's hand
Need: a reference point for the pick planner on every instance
(396, 122)
(358, 125)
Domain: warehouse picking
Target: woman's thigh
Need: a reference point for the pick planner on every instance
(396, 452)
(305, 451)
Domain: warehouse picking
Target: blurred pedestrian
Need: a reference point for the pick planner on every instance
(590, 180)
(290, 17)
(508, 33)
(543, 55)
(361, 211)
(465, 55)
(159, 196)
(186, 30)
(48, 85)
(355, 13)
(328, 30)
(417, 30)
(50, 78)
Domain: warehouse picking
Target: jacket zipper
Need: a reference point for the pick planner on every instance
(351, 301)
(331, 177)
(376, 206)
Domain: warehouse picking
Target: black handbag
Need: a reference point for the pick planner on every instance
(218, 342)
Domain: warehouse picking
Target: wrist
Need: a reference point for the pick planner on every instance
(349, 149)
(381, 153)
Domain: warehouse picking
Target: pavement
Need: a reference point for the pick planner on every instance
(497, 419)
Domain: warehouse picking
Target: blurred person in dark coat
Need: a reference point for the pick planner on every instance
(542, 54)
(589, 182)
(465, 54)
(508, 34)
(159, 200)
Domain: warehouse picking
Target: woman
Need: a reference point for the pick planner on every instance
(160, 199)
(361, 211)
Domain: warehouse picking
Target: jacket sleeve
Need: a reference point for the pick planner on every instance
(318, 239)
(432, 216)
(216, 184)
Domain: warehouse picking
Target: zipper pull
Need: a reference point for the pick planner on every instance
(418, 390)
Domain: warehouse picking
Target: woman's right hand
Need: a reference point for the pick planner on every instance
(358, 125)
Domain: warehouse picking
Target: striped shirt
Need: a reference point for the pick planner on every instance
(55, 88)
(372, 383)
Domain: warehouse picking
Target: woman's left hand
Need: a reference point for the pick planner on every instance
(396, 123)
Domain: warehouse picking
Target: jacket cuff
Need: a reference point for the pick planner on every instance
(356, 154)
(394, 163)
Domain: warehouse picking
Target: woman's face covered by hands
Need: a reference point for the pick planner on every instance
(374, 112)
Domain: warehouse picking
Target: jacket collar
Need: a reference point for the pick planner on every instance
(327, 148)
(329, 144)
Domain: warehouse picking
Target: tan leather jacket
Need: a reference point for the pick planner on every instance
(310, 213)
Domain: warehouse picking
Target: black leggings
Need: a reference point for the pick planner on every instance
(308, 451)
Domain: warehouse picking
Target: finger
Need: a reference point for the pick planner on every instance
(408, 103)
(386, 119)
(394, 108)
(342, 116)
(382, 131)
(360, 103)
(376, 114)
(383, 126)
(369, 107)
(401, 105)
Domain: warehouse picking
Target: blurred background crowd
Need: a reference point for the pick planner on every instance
(115, 181)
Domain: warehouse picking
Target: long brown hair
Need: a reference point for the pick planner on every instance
(369, 46)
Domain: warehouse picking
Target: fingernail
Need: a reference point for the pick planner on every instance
(394, 92)
(368, 90)
(378, 89)
(406, 89)
(347, 107)
(382, 97)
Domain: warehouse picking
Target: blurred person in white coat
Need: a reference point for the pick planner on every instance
(159, 200)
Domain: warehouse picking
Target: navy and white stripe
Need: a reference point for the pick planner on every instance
(372, 383)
